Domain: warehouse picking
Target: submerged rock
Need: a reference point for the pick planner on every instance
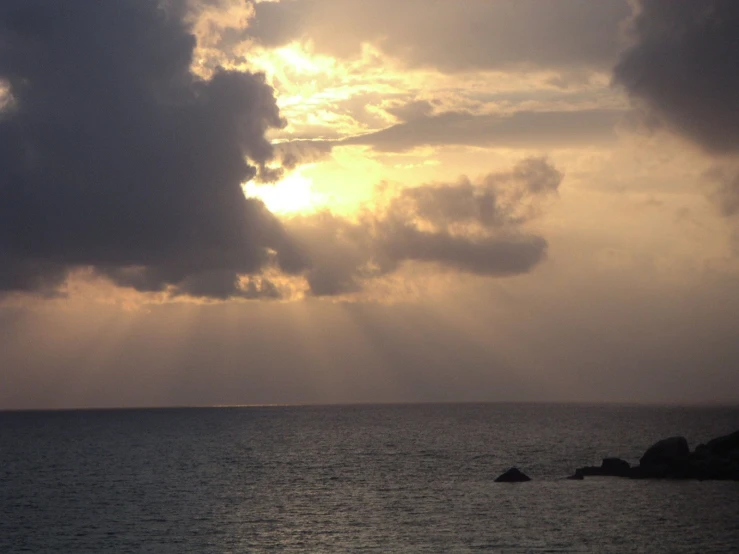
(513, 475)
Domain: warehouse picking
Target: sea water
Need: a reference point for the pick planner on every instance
(376, 478)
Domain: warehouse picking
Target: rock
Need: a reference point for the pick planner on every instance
(609, 467)
(616, 467)
(706, 469)
(701, 451)
(589, 471)
(722, 446)
(671, 458)
(665, 457)
(716, 460)
(513, 475)
(577, 476)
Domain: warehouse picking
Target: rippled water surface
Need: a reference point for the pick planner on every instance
(415, 478)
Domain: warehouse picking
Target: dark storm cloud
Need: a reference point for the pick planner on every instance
(683, 68)
(682, 72)
(115, 155)
(468, 227)
(518, 130)
(453, 36)
(23, 275)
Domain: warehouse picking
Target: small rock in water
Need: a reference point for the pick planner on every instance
(513, 475)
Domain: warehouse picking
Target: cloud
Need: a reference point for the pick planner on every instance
(681, 71)
(524, 129)
(723, 187)
(293, 153)
(116, 156)
(223, 285)
(682, 67)
(29, 275)
(475, 228)
(494, 256)
(497, 200)
(412, 110)
(343, 253)
(452, 36)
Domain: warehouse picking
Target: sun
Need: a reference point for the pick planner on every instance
(292, 194)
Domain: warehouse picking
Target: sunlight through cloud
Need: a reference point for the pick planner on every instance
(293, 194)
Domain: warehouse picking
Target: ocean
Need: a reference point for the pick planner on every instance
(373, 478)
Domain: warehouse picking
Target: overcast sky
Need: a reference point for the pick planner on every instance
(207, 202)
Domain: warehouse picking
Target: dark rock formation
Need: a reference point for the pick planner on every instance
(609, 467)
(671, 458)
(723, 446)
(672, 454)
(513, 475)
(616, 466)
(718, 459)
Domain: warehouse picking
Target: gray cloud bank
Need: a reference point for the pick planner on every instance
(115, 155)
(525, 129)
(682, 66)
(453, 36)
(682, 72)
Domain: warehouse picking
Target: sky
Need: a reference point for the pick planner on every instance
(230, 202)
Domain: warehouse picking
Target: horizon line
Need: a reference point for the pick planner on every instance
(604, 403)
